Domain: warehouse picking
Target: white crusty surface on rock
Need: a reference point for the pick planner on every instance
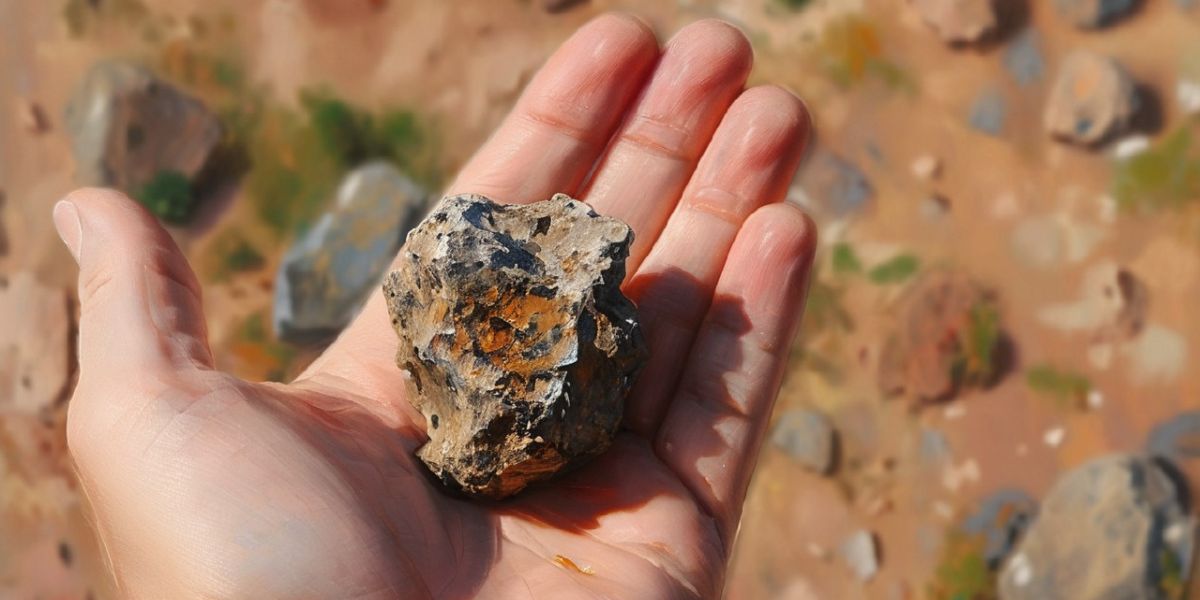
(519, 345)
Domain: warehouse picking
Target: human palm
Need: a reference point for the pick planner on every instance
(203, 485)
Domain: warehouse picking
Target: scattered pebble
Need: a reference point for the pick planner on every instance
(834, 186)
(861, 554)
(1092, 99)
(817, 551)
(943, 510)
(988, 111)
(1158, 355)
(927, 166)
(1130, 147)
(1023, 58)
(954, 411)
(1095, 400)
(1187, 94)
(935, 206)
(953, 478)
(1054, 437)
(31, 116)
(808, 437)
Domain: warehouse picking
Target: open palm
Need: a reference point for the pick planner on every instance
(203, 485)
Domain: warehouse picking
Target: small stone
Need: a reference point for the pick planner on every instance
(999, 520)
(927, 167)
(958, 21)
(1092, 99)
(861, 554)
(808, 437)
(1130, 147)
(1054, 436)
(1023, 58)
(834, 186)
(35, 346)
(935, 206)
(513, 327)
(1177, 438)
(328, 273)
(988, 112)
(1092, 14)
(930, 357)
(1112, 307)
(1187, 94)
(1101, 533)
(128, 127)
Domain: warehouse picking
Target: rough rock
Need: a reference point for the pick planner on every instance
(998, 523)
(958, 21)
(1091, 14)
(127, 126)
(808, 437)
(948, 338)
(518, 343)
(329, 272)
(35, 346)
(861, 554)
(1113, 528)
(1093, 98)
(831, 185)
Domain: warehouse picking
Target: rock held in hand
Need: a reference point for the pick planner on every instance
(519, 346)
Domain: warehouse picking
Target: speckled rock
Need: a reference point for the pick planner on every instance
(329, 272)
(517, 341)
(1111, 529)
(1092, 99)
(998, 523)
(1090, 14)
(127, 126)
(958, 21)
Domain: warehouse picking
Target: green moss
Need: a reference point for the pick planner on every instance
(850, 50)
(824, 310)
(981, 343)
(1171, 576)
(1067, 388)
(963, 573)
(169, 197)
(845, 260)
(894, 270)
(1165, 176)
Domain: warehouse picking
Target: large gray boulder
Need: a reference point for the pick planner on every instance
(328, 273)
(1115, 528)
(127, 126)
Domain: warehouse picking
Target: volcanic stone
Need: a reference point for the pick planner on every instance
(518, 343)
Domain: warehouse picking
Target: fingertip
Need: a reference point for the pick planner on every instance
(775, 123)
(783, 230)
(623, 30)
(720, 47)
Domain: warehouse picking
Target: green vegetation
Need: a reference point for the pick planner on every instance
(824, 309)
(1165, 176)
(850, 50)
(981, 343)
(794, 4)
(1067, 388)
(963, 573)
(894, 270)
(232, 253)
(845, 260)
(169, 197)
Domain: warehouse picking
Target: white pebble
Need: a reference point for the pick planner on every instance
(927, 167)
(1054, 437)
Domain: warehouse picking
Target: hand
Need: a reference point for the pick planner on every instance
(203, 485)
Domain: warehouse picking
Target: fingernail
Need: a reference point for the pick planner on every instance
(70, 229)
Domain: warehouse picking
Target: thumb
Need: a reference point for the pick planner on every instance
(140, 312)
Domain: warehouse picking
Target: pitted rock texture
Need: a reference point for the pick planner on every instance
(519, 345)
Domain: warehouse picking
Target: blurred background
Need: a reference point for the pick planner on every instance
(990, 397)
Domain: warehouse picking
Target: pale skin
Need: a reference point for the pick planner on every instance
(202, 485)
